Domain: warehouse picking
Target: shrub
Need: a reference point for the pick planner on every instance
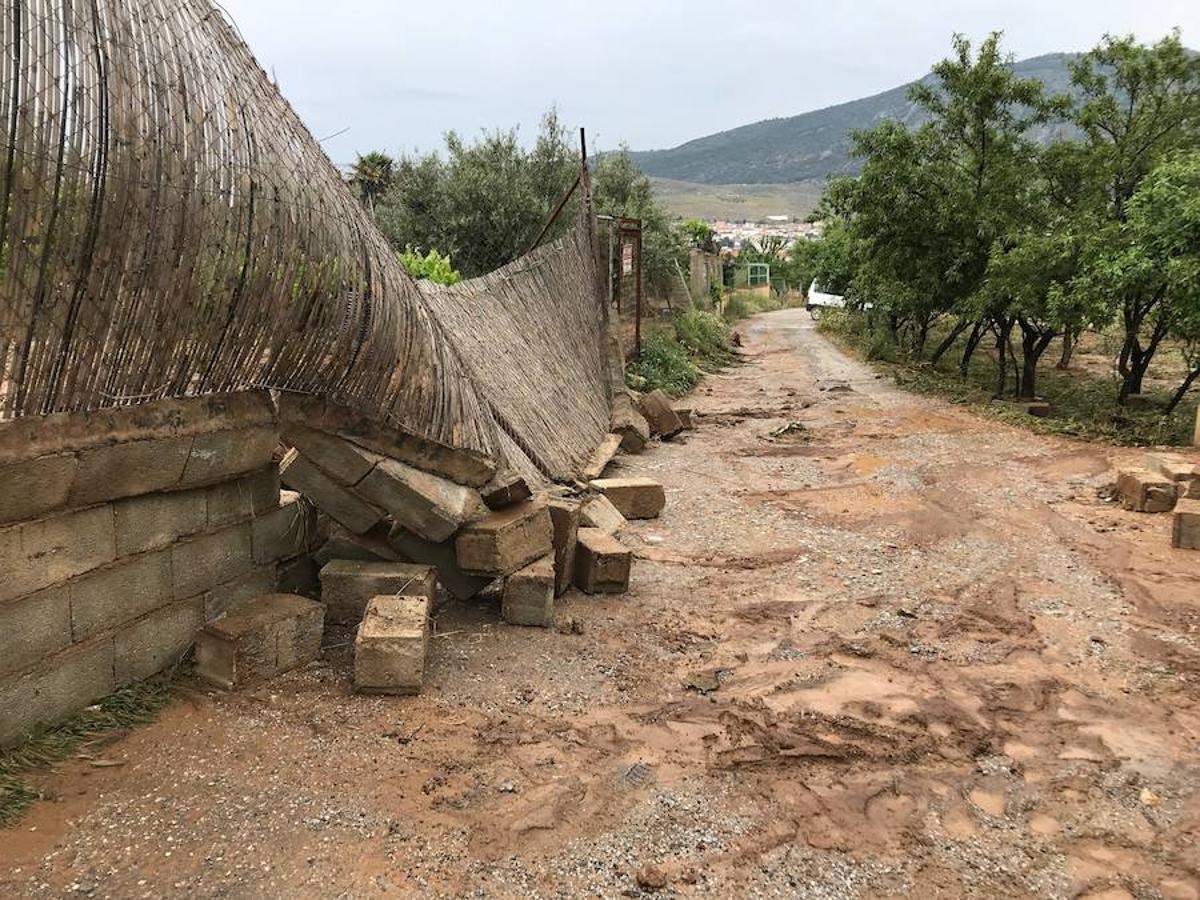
(706, 336)
(665, 365)
(433, 266)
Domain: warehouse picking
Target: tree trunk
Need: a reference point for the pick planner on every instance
(1003, 328)
(948, 341)
(1034, 342)
(973, 341)
(1139, 360)
(1183, 389)
(1070, 336)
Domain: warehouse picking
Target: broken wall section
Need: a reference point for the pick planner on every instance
(123, 532)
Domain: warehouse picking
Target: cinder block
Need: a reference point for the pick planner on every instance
(59, 687)
(255, 583)
(330, 497)
(564, 516)
(33, 628)
(213, 559)
(287, 531)
(236, 501)
(1143, 491)
(222, 455)
(505, 489)
(343, 460)
(390, 648)
(259, 639)
(157, 641)
(35, 487)
(442, 557)
(599, 512)
(39, 554)
(425, 504)
(1184, 472)
(300, 576)
(1186, 532)
(157, 520)
(657, 409)
(129, 469)
(503, 542)
(602, 457)
(126, 590)
(634, 498)
(630, 424)
(601, 564)
(347, 585)
(528, 597)
(345, 544)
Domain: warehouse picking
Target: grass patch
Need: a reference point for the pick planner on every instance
(677, 354)
(1083, 405)
(132, 705)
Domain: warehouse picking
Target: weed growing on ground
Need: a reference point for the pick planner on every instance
(131, 705)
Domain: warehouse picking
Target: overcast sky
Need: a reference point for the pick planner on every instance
(653, 73)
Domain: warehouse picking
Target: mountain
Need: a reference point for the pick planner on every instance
(811, 146)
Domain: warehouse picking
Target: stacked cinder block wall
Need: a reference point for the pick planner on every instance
(123, 532)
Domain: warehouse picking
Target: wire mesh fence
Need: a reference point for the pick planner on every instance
(168, 227)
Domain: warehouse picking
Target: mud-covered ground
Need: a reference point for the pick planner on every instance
(896, 650)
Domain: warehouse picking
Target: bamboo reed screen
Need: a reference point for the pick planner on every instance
(168, 227)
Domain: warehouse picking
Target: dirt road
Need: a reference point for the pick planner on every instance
(895, 649)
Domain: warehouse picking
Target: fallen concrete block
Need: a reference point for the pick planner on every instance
(347, 585)
(259, 639)
(601, 564)
(599, 512)
(343, 460)
(687, 417)
(1184, 472)
(634, 498)
(505, 489)
(1143, 491)
(443, 557)
(664, 421)
(331, 498)
(1186, 532)
(425, 504)
(503, 542)
(390, 649)
(285, 532)
(630, 424)
(345, 544)
(602, 457)
(528, 597)
(564, 516)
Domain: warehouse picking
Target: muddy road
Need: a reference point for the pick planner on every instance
(876, 646)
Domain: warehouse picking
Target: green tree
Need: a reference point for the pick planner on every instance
(699, 234)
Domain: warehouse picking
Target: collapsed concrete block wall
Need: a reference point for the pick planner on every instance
(124, 532)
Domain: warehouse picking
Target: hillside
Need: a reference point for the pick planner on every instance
(811, 146)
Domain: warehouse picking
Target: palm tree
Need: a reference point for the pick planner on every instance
(372, 175)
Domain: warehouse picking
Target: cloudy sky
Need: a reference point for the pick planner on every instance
(653, 73)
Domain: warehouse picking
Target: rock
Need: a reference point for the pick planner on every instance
(634, 498)
(651, 878)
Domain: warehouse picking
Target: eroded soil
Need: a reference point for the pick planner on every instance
(894, 650)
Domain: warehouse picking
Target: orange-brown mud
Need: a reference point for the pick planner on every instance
(899, 650)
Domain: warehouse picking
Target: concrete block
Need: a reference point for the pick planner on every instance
(33, 488)
(287, 531)
(259, 639)
(210, 560)
(443, 557)
(505, 489)
(425, 504)
(347, 585)
(528, 597)
(240, 499)
(602, 457)
(503, 542)
(153, 521)
(255, 583)
(59, 687)
(300, 576)
(630, 424)
(129, 469)
(1186, 531)
(330, 497)
(36, 555)
(222, 455)
(634, 498)
(344, 461)
(345, 544)
(660, 414)
(390, 648)
(1184, 472)
(128, 589)
(599, 512)
(1143, 491)
(564, 516)
(601, 564)
(33, 628)
(687, 417)
(157, 641)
